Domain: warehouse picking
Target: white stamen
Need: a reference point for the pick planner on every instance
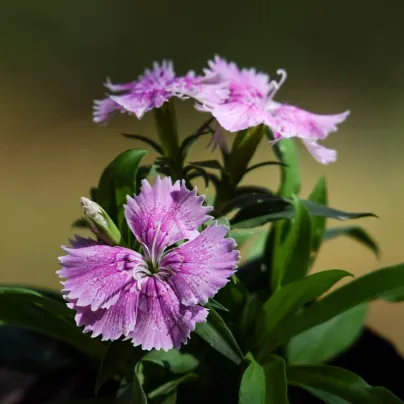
(153, 249)
(276, 85)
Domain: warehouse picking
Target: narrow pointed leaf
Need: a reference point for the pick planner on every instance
(190, 140)
(39, 312)
(262, 213)
(264, 164)
(242, 237)
(286, 152)
(275, 380)
(291, 256)
(252, 189)
(386, 283)
(173, 360)
(216, 333)
(138, 394)
(132, 392)
(318, 223)
(171, 398)
(117, 181)
(270, 202)
(207, 164)
(170, 386)
(252, 387)
(355, 232)
(152, 143)
(80, 223)
(264, 384)
(196, 172)
(279, 310)
(248, 315)
(117, 353)
(323, 342)
(216, 305)
(256, 248)
(332, 384)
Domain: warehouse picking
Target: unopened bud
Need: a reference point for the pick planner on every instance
(99, 222)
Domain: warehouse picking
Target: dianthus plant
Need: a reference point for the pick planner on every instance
(181, 297)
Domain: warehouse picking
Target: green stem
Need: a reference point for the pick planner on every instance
(166, 123)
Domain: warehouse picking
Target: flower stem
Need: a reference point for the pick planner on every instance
(166, 123)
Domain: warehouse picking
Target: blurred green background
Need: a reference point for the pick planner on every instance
(55, 56)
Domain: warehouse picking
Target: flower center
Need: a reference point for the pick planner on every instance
(149, 269)
(153, 267)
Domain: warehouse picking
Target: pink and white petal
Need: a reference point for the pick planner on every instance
(206, 92)
(103, 109)
(163, 322)
(320, 153)
(117, 321)
(235, 116)
(115, 88)
(139, 102)
(164, 214)
(289, 121)
(96, 275)
(230, 72)
(203, 265)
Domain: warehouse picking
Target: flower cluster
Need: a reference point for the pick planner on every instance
(237, 98)
(154, 297)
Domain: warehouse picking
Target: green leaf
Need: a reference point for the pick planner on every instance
(192, 172)
(80, 223)
(252, 189)
(216, 305)
(39, 312)
(275, 377)
(264, 164)
(175, 361)
(170, 386)
(190, 140)
(252, 387)
(318, 223)
(132, 392)
(216, 333)
(207, 164)
(264, 384)
(281, 307)
(146, 140)
(323, 342)
(117, 353)
(249, 314)
(262, 213)
(270, 202)
(291, 256)
(355, 232)
(117, 181)
(256, 248)
(386, 283)
(242, 237)
(332, 384)
(171, 398)
(286, 152)
(244, 146)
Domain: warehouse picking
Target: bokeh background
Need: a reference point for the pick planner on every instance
(55, 56)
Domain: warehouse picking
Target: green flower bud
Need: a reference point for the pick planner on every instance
(100, 223)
